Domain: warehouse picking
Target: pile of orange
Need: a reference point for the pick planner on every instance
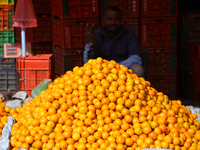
(4, 113)
(103, 105)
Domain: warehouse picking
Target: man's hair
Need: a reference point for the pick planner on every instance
(113, 8)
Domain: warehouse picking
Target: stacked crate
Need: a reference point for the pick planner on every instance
(7, 65)
(189, 35)
(195, 50)
(33, 69)
(6, 29)
(130, 12)
(69, 19)
(158, 44)
(40, 38)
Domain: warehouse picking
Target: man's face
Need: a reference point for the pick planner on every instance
(112, 20)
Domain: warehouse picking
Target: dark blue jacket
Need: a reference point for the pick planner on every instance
(124, 48)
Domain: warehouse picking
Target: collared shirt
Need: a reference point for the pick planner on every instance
(124, 48)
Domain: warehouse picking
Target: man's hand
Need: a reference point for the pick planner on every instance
(90, 34)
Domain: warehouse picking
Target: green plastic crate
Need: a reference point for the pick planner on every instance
(10, 21)
(6, 37)
(11, 2)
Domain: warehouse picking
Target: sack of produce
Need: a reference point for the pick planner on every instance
(6, 134)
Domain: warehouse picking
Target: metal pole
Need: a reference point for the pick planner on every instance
(23, 39)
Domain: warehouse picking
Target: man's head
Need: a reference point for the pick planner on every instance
(112, 18)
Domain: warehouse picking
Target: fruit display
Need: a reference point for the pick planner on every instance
(103, 105)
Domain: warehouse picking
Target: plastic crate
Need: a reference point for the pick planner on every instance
(6, 2)
(6, 37)
(189, 26)
(6, 17)
(33, 70)
(197, 96)
(74, 8)
(158, 31)
(67, 59)
(152, 8)
(129, 8)
(71, 33)
(40, 34)
(41, 48)
(159, 61)
(185, 86)
(165, 84)
(133, 24)
(184, 56)
(195, 49)
(42, 6)
(7, 74)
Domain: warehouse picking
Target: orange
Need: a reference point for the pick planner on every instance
(176, 141)
(187, 145)
(37, 144)
(37, 137)
(48, 130)
(154, 124)
(146, 129)
(152, 135)
(138, 130)
(164, 144)
(63, 144)
(129, 141)
(25, 146)
(171, 113)
(120, 147)
(162, 120)
(45, 138)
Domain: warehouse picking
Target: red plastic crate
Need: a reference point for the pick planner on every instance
(41, 48)
(133, 24)
(129, 8)
(42, 6)
(6, 17)
(165, 84)
(159, 61)
(197, 96)
(67, 59)
(152, 8)
(71, 33)
(189, 27)
(195, 49)
(74, 8)
(33, 70)
(158, 31)
(185, 85)
(185, 56)
(42, 33)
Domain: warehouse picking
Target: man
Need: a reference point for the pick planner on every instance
(114, 41)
